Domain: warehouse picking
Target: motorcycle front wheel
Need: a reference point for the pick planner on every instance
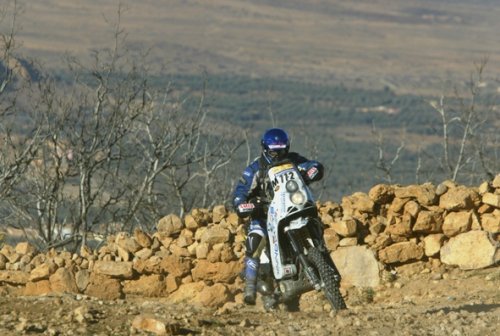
(329, 285)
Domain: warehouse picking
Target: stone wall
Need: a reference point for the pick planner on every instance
(198, 258)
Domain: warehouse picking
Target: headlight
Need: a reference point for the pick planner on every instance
(291, 186)
(298, 198)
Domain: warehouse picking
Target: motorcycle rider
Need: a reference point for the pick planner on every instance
(253, 191)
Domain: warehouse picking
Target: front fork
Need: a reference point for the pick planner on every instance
(309, 271)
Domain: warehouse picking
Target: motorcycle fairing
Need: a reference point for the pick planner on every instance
(283, 212)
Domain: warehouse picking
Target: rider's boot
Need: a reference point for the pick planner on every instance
(251, 269)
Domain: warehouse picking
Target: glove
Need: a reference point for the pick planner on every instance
(254, 207)
(311, 173)
(244, 210)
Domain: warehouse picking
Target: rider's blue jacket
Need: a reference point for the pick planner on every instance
(253, 182)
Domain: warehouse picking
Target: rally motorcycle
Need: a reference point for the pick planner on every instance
(295, 259)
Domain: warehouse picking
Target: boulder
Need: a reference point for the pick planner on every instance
(357, 266)
(470, 250)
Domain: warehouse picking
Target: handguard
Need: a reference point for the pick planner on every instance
(245, 209)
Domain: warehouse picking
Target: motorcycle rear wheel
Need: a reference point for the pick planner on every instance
(330, 286)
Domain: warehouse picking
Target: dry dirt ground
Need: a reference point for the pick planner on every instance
(411, 302)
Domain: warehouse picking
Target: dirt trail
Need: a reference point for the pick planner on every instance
(453, 302)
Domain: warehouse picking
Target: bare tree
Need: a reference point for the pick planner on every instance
(384, 163)
(468, 130)
(107, 148)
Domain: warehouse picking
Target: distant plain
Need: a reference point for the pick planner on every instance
(410, 46)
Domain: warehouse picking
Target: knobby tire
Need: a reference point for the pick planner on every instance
(327, 275)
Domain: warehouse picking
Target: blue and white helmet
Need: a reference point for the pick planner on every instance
(275, 145)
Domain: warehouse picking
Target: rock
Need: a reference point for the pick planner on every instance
(484, 188)
(14, 277)
(491, 221)
(219, 212)
(82, 279)
(381, 193)
(459, 198)
(456, 222)
(357, 266)
(397, 205)
(401, 252)
(151, 265)
(170, 225)
(144, 253)
(202, 250)
(149, 324)
(42, 272)
(470, 250)
(147, 285)
(345, 227)
(496, 182)
(331, 239)
(213, 296)
(412, 208)
(127, 243)
(357, 202)
(63, 281)
(400, 225)
(37, 288)
(348, 241)
(172, 283)
(122, 269)
(191, 223)
(433, 243)
(216, 272)
(429, 221)
(175, 266)
(104, 287)
(492, 199)
(425, 194)
(214, 235)
(142, 238)
(186, 292)
(25, 248)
